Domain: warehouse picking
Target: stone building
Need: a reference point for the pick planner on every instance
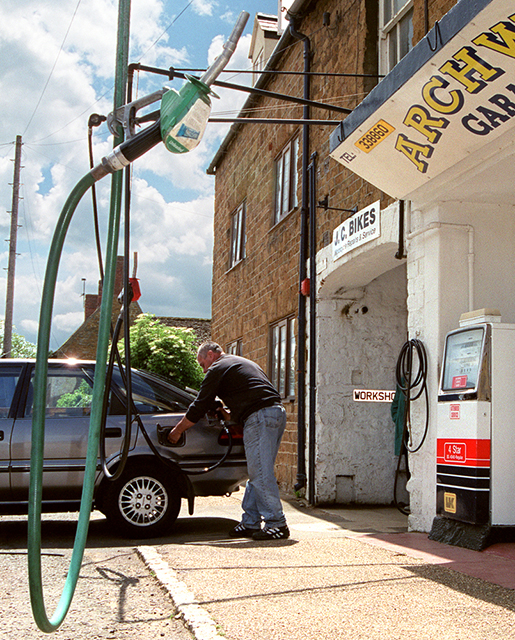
(201, 326)
(335, 244)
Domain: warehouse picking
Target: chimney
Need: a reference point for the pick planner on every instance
(90, 304)
(92, 301)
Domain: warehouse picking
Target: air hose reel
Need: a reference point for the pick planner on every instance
(412, 384)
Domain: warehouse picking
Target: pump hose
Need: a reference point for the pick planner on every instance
(38, 435)
(408, 383)
(411, 385)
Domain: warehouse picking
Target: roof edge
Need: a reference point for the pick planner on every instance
(262, 81)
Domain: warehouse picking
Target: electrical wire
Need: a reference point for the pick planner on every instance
(52, 70)
(167, 28)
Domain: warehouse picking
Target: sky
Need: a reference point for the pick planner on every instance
(58, 66)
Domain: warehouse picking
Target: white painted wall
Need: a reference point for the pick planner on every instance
(360, 332)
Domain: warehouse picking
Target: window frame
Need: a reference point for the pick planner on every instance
(285, 202)
(386, 31)
(282, 362)
(235, 347)
(237, 249)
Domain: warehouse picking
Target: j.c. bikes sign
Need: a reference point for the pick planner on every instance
(363, 226)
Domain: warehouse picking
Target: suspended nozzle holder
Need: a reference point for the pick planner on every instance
(184, 113)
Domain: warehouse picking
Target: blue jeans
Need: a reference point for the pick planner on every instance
(262, 435)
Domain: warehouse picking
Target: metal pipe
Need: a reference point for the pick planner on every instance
(301, 358)
(287, 73)
(171, 74)
(297, 121)
(401, 254)
(312, 329)
(228, 49)
(470, 255)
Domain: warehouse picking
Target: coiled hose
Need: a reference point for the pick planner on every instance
(411, 383)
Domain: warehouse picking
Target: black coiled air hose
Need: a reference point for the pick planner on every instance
(412, 383)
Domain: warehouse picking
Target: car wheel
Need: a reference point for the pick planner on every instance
(143, 502)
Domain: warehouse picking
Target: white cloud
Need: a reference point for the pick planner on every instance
(68, 322)
(204, 7)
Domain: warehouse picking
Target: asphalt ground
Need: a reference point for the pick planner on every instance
(345, 573)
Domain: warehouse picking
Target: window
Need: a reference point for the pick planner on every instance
(69, 393)
(9, 377)
(237, 235)
(286, 180)
(282, 366)
(151, 395)
(395, 32)
(235, 347)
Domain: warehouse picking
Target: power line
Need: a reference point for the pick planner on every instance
(167, 28)
(53, 68)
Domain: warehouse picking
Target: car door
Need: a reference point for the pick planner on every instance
(67, 416)
(9, 383)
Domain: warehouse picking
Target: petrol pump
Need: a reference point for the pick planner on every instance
(475, 484)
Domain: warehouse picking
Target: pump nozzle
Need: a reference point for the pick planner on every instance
(184, 114)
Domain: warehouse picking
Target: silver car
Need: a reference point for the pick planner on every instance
(145, 500)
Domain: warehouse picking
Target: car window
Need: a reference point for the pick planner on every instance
(151, 395)
(9, 377)
(68, 393)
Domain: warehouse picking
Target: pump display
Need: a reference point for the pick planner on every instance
(476, 425)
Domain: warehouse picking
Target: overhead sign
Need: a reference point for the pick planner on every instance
(363, 226)
(373, 395)
(460, 97)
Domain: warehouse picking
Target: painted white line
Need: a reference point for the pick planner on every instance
(197, 619)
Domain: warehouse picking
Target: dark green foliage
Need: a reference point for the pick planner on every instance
(170, 352)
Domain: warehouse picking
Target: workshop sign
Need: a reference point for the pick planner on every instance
(450, 96)
(363, 226)
(373, 395)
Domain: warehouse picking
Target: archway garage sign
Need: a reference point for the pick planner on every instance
(445, 102)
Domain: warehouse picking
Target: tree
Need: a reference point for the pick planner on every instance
(170, 352)
(21, 348)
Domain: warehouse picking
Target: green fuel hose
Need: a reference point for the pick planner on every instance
(40, 377)
(38, 435)
(122, 155)
(38, 422)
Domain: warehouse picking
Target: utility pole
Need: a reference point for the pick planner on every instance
(9, 302)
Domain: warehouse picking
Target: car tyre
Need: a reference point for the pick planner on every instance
(143, 502)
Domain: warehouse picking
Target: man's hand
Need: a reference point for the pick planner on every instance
(175, 433)
(223, 414)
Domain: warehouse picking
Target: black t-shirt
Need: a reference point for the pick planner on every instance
(240, 383)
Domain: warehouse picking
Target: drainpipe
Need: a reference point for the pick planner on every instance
(312, 328)
(301, 349)
(401, 253)
(470, 255)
